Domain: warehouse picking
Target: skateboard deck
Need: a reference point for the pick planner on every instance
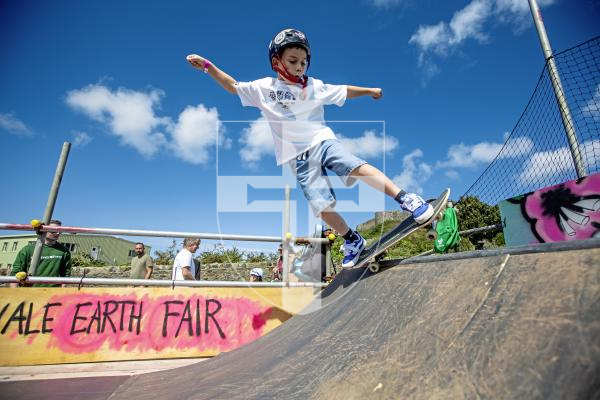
(376, 250)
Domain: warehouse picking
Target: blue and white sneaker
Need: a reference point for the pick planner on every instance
(352, 251)
(413, 203)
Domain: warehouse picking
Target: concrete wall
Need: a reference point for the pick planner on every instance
(211, 272)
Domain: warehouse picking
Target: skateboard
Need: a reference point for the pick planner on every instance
(371, 255)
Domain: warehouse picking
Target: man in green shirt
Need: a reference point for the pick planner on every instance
(141, 263)
(55, 260)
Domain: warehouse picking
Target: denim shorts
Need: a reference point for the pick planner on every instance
(310, 170)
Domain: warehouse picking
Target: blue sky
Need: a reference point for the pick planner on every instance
(111, 78)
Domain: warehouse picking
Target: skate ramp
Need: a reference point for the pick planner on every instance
(502, 326)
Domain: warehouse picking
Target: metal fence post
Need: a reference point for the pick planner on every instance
(286, 230)
(559, 93)
(328, 263)
(58, 175)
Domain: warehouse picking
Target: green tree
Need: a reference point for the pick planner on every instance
(166, 257)
(220, 254)
(85, 260)
(256, 257)
(473, 213)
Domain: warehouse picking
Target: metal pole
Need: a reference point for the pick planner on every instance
(473, 231)
(559, 93)
(328, 265)
(139, 232)
(286, 230)
(58, 175)
(80, 281)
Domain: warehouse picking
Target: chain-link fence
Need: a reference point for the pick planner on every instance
(537, 152)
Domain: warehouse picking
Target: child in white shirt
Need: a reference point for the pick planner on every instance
(292, 103)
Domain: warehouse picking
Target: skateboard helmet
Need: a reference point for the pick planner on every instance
(288, 38)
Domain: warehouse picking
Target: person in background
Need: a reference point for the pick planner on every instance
(184, 266)
(256, 275)
(55, 260)
(141, 264)
(278, 269)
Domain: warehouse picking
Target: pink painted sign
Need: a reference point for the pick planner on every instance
(77, 323)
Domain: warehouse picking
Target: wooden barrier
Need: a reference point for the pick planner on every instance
(67, 325)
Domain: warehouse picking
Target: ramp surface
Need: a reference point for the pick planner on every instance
(504, 326)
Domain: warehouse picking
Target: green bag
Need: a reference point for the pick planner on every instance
(447, 232)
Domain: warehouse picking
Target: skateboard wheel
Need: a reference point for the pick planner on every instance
(374, 267)
(431, 234)
(331, 237)
(21, 275)
(36, 223)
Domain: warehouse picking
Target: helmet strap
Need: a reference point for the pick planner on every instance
(303, 80)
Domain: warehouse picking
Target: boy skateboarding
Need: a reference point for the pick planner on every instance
(293, 104)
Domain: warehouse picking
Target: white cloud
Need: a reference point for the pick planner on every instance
(459, 156)
(470, 156)
(132, 117)
(452, 174)
(592, 108)
(370, 144)
(465, 24)
(463, 156)
(468, 23)
(414, 173)
(81, 139)
(129, 114)
(257, 142)
(195, 134)
(13, 125)
(517, 12)
(519, 146)
(555, 162)
(384, 4)
(547, 163)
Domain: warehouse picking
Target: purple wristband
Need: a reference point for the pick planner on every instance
(207, 65)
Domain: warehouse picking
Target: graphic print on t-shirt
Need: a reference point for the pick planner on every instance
(295, 115)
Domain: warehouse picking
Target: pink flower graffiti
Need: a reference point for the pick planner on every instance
(567, 211)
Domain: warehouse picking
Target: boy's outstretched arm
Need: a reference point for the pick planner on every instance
(357, 91)
(203, 64)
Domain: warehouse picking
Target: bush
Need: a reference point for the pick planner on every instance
(85, 260)
(220, 254)
(473, 213)
(166, 257)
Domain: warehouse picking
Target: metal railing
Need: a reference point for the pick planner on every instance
(81, 281)
(175, 234)
(42, 227)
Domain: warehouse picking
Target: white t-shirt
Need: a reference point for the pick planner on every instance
(184, 258)
(296, 116)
